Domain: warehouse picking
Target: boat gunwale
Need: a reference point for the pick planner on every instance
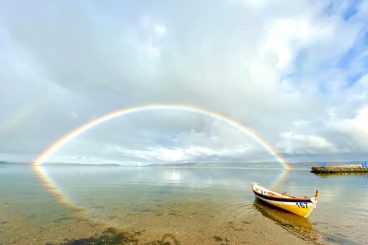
(282, 199)
(279, 197)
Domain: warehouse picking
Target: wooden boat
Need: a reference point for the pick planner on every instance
(302, 206)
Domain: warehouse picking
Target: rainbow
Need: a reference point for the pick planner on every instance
(151, 107)
(52, 187)
(21, 115)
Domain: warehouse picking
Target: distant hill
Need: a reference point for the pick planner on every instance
(79, 164)
(218, 165)
(265, 165)
(14, 163)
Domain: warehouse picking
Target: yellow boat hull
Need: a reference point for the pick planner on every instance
(299, 206)
(303, 209)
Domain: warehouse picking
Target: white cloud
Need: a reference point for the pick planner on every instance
(355, 128)
(282, 34)
(255, 4)
(292, 143)
(160, 29)
(154, 33)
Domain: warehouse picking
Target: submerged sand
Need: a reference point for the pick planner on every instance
(164, 223)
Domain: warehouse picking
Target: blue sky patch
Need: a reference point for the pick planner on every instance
(351, 10)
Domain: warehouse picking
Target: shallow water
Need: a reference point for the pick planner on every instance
(187, 203)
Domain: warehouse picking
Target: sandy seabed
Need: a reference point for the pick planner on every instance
(169, 223)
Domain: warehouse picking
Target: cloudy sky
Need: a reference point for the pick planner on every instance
(295, 72)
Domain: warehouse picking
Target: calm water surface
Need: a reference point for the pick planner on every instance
(185, 200)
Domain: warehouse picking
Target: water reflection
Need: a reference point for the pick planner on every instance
(282, 217)
(324, 175)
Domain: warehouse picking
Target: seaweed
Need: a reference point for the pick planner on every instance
(112, 236)
(108, 237)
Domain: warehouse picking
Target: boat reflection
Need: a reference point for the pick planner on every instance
(283, 218)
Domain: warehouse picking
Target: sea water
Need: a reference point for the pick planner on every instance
(192, 200)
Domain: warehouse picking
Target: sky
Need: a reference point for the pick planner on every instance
(294, 72)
